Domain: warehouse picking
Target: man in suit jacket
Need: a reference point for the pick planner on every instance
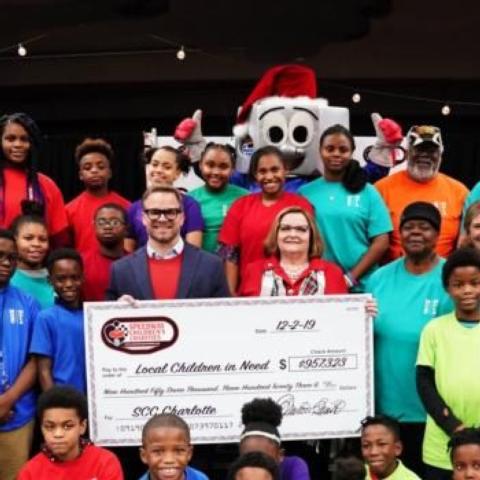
(166, 267)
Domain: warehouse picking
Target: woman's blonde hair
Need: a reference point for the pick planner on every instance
(315, 247)
(472, 212)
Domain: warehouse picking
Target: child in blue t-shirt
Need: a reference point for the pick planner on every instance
(166, 449)
(57, 338)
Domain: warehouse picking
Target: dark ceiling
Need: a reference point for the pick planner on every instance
(106, 66)
(125, 41)
(116, 59)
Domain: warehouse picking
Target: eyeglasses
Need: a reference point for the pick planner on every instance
(112, 222)
(11, 257)
(296, 228)
(156, 213)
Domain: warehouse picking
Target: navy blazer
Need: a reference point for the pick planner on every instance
(201, 276)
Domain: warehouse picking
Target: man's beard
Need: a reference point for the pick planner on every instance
(422, 174)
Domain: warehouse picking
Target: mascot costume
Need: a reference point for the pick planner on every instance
(283, 110)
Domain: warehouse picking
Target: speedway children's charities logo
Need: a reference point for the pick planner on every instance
(139, 335)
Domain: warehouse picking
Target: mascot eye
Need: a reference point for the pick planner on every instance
(274, 128)
(275, 134)
(301, 129)
(300, 134)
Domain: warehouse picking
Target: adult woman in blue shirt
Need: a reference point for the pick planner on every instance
(351, 214)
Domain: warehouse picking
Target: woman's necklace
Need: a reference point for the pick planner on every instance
(294, 271)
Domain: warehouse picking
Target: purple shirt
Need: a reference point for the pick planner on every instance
(193, 220)
(294, 468)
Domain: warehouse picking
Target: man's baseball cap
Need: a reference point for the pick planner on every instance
(421, 134)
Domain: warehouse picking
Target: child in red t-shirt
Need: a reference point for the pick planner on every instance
(62, 413)
(110, 231)
(94, 158)
(20, 182)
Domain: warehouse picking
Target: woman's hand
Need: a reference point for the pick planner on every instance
(371, 307)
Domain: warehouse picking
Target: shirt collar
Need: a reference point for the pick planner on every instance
(176, 250)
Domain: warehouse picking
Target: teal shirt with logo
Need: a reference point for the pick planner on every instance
(347, 221)
(406, 303)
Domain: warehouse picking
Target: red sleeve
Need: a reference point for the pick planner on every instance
(122, 201)
(24, 474)
(306, 205)
(230, 231)
(296, 200)
(251, 280)
(111, 468)
(55, 206)
(334, 280)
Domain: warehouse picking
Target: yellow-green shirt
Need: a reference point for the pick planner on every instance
(453, 351)
(400, 473)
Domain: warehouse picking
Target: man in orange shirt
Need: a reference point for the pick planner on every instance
(422, 181)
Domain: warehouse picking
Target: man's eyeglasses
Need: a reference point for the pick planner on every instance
(157, 213)
(112, 222)
(296, 228)
(11, 257)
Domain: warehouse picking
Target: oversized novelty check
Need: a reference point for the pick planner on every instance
(203, 359)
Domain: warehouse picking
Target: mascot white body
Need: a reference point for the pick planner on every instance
(294, 125)
(283, 111)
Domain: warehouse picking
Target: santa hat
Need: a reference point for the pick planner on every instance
(283, 81)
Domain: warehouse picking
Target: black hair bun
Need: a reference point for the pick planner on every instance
(262, 410)
(354, 178)
(32, 207)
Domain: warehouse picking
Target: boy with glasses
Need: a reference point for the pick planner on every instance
(110, 231)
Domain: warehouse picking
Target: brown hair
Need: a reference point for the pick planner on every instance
(94, 145)
(163, 189)
(315, 247)
(472, 211)
(181, 159)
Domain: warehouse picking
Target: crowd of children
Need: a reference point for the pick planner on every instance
(330, 237)
(166, 449)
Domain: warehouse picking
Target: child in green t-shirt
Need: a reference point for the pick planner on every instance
(465, 454)
(217, 195)
(448, 363)
(381, 447)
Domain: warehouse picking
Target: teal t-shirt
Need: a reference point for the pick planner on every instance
(347, 221)
(36, 284)
(214, 206)
(473, 196)
(406, 303)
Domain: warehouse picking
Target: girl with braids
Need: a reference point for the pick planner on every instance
(21, 184)
(351, 214)
(31, 276)
(163, 166)
(261, 418)
(217, 195)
